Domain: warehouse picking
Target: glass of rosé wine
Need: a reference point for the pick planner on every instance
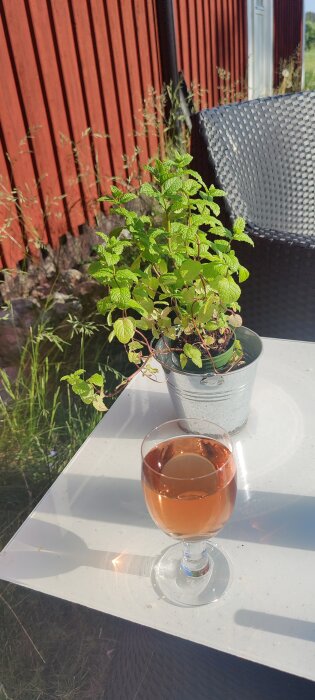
(189, 485)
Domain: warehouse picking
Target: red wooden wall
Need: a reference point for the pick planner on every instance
(288, 31)
(212, 35)
(74, 74)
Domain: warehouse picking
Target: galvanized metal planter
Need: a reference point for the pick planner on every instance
(223, 398)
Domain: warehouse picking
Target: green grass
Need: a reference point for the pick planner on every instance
(309, 59)
(42, 423)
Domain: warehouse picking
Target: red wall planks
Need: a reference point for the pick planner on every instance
(287, 14)
(76, 74)
(35, 117)
(211, 35)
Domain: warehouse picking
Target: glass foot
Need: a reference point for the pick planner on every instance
(174, 582)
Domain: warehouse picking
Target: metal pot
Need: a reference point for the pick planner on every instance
(223, 398)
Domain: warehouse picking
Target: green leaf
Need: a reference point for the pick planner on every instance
(215, 208)
(120, 296)
(148, 190)
(206, 311)
(212, 326)
(144, 300)
(191, 187)
(214, 269)
(190, 269)
(243, 237)
(220, 231)
(189, 295)
(132, 304)
(170, 332)
(239, 226)
(205, 218)
(134, 357)
(223, 246)
(232, 261)
(116, 192)
(209, 340)
(143, 324)
(193, 353)
(124, 329)
(84, 390)
(228, 289)
(106, 198)
(128, 197)
(126, 275)
(136, 263)
(183, 360)
(71, 378)
(111, 258)
(214, 192)
(243, 273)
(168, 278)
(172, 186)
(96, 379)
(183, 160)
(104, 305)
(135, 345)
(161, 266)
(184, 232)
(98, 403)
(102, 235)
(196, 175)
(95, 266)
(103, 276)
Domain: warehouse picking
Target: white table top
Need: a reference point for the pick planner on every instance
(91, 541)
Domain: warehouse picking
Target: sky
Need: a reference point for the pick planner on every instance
(309, 5)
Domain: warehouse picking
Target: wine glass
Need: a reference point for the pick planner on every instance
(189, 485)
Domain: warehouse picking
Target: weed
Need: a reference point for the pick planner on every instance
(42, 425)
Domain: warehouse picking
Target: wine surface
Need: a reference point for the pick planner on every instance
(189, 485)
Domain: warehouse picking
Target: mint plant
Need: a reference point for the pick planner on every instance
(183, 279)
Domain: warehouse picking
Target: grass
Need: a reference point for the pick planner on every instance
(42, 423)
(50, 649)
(309, 58)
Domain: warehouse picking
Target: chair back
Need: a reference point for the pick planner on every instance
(262, 153)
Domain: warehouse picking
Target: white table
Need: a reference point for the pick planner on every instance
(91, 541)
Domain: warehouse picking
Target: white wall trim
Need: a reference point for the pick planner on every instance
(303, 48)
(268, 14)
(250, 67)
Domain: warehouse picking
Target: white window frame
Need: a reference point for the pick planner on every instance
(252, 6)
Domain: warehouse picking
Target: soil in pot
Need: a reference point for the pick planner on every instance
(221, 353)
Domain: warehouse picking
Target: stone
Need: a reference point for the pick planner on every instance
(24, 312)
(50, 268)
(72, 277)
(12, 340)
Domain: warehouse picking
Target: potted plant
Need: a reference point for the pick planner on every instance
(172, 292)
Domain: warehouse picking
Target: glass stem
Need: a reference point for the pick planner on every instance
(195, 561)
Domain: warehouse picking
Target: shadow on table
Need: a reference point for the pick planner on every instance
(283, 520)
(276, 624)
(265, 518)
(49, 550)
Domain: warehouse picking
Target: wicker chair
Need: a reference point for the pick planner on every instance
(262, 153)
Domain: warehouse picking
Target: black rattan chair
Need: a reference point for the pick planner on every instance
(262, 153)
